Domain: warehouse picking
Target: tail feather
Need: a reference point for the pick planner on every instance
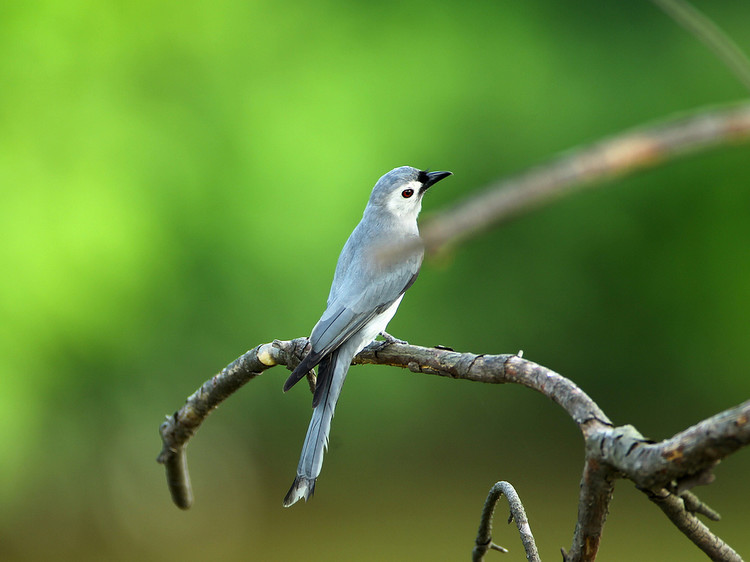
(331, 375)
(301, 488)
(326, 370)
(305, 366)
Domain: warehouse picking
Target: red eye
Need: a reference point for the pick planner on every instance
(407, 193)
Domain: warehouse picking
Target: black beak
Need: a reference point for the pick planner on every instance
(431, 178)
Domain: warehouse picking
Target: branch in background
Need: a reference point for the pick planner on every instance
(707, 31)
(624, 154)
(484, 542)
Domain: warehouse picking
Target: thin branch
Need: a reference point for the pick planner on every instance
(623, 154)
(674, 508)
(484, 542)
(711, 35)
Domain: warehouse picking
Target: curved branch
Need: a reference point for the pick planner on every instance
(496, 369)
(484, 542)
(178, 428)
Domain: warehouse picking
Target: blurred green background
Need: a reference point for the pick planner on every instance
(177, 180)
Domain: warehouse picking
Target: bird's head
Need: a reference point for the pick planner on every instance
(400, 191)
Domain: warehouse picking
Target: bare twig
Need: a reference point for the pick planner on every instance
(695, 505)
(484, 542)
(624, 154)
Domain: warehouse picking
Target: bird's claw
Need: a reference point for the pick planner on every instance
(389, 339)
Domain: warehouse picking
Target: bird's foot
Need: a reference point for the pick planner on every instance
(389, 339)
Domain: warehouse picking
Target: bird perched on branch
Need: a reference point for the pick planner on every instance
(379, 262)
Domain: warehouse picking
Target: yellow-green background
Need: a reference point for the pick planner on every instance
(176, 181)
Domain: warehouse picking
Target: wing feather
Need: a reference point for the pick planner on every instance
(360, 294)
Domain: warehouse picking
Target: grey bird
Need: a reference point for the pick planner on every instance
(379, 262)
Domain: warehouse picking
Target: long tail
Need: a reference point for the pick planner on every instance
(331, 374)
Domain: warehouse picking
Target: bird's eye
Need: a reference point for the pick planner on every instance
(406, 193)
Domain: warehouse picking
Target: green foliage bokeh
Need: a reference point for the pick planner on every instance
(176, 181)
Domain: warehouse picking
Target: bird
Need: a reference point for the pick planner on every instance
(379, 262)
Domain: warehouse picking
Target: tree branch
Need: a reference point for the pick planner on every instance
(484, 542)
(611, 452)
(694, 505)
(496, 369)
(669, 467)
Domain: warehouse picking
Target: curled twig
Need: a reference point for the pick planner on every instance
(484, 542)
